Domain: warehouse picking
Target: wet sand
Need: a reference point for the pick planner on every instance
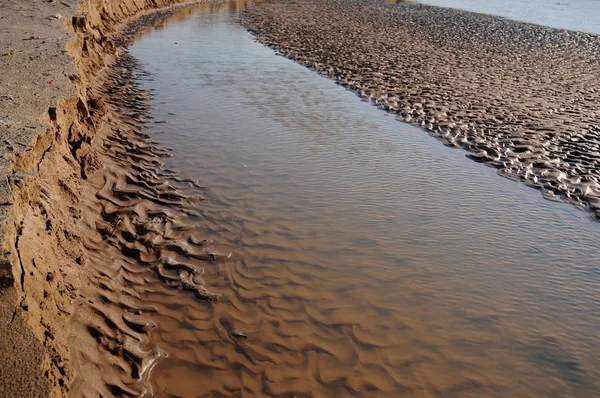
(136, 215)
(519, 97)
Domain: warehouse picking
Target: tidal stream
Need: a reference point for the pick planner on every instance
(368, 259)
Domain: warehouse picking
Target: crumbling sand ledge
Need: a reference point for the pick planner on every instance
(49, 119)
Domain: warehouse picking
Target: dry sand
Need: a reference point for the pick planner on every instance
(35, 73)
(519, 97)
(51, 54)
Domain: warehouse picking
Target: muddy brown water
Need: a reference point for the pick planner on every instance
(367, 258)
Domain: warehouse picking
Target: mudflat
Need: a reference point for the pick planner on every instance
(519, 97)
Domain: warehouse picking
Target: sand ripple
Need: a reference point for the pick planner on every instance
(144, 233)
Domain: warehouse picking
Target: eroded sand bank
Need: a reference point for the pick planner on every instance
(52, 107)
(522, 98)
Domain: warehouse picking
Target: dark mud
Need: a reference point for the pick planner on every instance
(519, 97)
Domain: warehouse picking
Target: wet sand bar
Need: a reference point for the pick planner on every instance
(519, 97)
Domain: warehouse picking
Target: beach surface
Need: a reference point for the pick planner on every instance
(36, 71)
(519, 97)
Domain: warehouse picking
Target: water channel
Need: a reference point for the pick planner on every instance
(579, 15)
(368, 259)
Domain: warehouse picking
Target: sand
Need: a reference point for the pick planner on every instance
(51, 55)
(138, 233)
(519, 97)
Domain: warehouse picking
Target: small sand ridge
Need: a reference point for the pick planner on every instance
(519, 97)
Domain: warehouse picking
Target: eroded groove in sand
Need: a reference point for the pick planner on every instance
(519, 97)
(141, 218)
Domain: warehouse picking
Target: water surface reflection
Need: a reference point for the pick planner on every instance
(579, 15)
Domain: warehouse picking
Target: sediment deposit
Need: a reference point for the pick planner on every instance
(519, 97)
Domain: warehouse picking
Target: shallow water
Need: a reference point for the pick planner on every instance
(369, 259)
(580, 15)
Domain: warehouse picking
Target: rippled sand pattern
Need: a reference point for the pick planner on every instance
(144, 235)
(366, 260)
(522, 98)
